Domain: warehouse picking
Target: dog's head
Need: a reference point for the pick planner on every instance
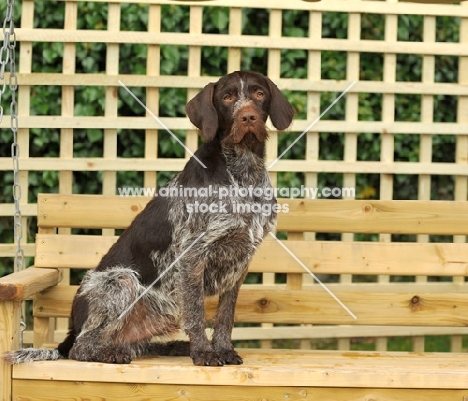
(235, 109)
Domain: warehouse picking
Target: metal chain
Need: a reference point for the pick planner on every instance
(7, 54)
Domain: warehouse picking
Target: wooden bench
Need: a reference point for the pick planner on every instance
(267, 374)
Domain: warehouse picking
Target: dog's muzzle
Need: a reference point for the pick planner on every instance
(248, 121)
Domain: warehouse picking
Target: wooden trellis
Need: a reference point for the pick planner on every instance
(314, 86)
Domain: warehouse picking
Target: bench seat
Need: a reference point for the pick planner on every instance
(270, 373)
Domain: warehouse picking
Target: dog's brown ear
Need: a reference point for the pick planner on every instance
(202, 114)
(281, 111)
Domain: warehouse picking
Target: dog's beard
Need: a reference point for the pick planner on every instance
(247, 136)
(251, 140)
(248, 141)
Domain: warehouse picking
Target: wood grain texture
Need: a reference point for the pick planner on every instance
(22, 285)
(358, 216)
(9, 330)
(321, 257)
(361, 216)
(39, 390)
(272, 368)
(92, 211)
(385, 305)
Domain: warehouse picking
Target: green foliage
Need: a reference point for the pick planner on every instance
(176, 18)
(215, 20)
(410, 28)
(134, 17)
(335, 25)
(94, 15)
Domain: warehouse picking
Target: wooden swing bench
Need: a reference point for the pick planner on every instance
(385, 308)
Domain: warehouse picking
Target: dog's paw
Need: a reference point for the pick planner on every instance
(230, 357)
(206, 358)
(95, 354)
(116, 357)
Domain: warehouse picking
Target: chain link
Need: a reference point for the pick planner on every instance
(7, 56)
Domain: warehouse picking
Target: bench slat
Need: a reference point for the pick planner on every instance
(397, 217)
(48, 390)
(321, 257)
(71, 251)
(314, 305)
(34, 389)
(264, 368)
(376, 216)
(87, 211)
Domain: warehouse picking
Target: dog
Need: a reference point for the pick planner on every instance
(153, 280)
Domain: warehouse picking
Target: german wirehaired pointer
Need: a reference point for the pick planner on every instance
(209, 251)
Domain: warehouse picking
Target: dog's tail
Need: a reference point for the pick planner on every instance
(172, 348)
(27, 355)
(32, 354)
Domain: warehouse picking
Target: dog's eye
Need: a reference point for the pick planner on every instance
(227, 97)
(260, 95)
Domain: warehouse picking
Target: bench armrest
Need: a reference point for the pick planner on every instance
(24, 284)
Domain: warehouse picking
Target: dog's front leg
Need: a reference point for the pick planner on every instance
(223, 323)
(193, 314)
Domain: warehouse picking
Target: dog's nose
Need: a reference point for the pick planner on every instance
(248, 117)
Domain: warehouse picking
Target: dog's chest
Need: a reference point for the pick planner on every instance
(239, 232)
(228, 263)
(233, 218)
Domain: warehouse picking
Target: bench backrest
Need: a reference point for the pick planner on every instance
(287, 293)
